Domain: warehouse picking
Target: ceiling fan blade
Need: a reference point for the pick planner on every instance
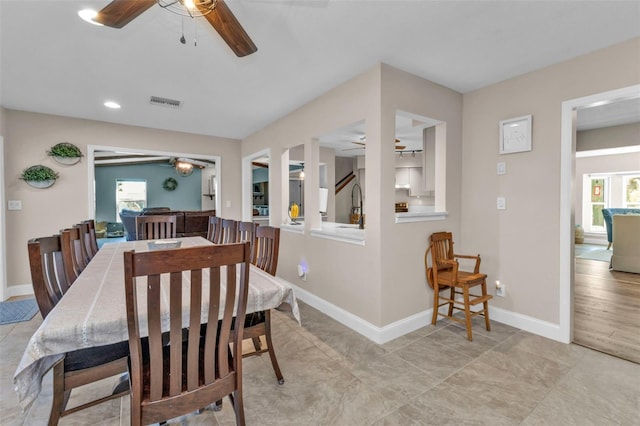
(353, 149)
(400, 147)
(359, 143)
(119, 13)
(226, 24)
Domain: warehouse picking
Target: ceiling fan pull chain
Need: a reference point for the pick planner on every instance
(182, 39)
(195, 34)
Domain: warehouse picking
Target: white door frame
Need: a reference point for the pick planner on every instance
(567, 196)
(3, 229)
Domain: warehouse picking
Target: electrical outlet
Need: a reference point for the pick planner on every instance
(500, 289)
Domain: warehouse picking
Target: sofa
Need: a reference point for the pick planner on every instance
(608, 220)
(188, 223)
(626, 250)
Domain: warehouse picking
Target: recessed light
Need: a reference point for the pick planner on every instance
(112, 105)
(88, 15)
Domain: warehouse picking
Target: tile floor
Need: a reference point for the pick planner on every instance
(432, 376)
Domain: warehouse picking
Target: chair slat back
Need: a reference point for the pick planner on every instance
(213, 229)
(228, 232)
(93, 240)
(266, 248)
(194, 361)
(73, 253)
(441, 248)
(47, 272)
(155, 227)
(85, 238)
(247, 232)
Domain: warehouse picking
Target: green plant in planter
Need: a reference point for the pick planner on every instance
(38, 173)
(65, 150)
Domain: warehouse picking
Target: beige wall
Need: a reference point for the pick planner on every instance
(340, 273)
(44, 212)
(520, 246)
(608, 137)
(383, 281)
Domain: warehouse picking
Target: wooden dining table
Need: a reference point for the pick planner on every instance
(93, 312)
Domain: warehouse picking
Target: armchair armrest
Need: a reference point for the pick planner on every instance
(476, 269)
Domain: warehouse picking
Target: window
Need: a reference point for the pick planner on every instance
(131, 195)
(598, 197)
(631, 188)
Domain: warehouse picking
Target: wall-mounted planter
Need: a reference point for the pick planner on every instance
(40, 184)
(39, 176)
(65, 153)
(66, 160)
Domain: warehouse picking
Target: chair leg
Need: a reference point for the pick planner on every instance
(485, 305)
(238, 407)
(436, 302)
(452, 296)
(58, 404)
(467, 312)
(257, 345)
(272, 353)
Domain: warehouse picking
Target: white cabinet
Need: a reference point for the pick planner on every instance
(412, 179)
(402, 178)
(416, 183)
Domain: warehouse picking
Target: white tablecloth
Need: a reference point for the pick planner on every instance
(93, 312)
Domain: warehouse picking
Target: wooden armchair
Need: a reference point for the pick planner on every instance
(196, 367)
(444, 274)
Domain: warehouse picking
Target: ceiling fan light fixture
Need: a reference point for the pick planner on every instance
(89, 15)
(183, 168)
(190, 8)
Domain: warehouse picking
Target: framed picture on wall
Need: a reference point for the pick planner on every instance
(515, 135)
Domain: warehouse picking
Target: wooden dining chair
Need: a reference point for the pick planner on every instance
(48, 276)
(77, 368)
(443, 273)
(266, 248)
(85, 237)
(228, 232)
(93, 240)
(155, 227)
(247, 232)
(74, 256)
(213, 229)
(258, 324)
(199, 365)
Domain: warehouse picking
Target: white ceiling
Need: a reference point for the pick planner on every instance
(53, 62)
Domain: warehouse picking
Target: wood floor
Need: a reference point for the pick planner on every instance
(607, 309)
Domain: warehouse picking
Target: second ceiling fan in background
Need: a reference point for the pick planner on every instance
(119, 13)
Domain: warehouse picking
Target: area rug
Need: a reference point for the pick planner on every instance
(594, 253)
(17, 311)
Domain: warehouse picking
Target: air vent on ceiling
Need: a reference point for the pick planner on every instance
(164, 102)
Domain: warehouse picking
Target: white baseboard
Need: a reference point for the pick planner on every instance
(17, 290)
(404, 326)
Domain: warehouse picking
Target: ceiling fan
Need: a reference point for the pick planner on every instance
(363, 145)
(119, 13)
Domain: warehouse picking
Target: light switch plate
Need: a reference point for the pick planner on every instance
(501, 203)
(14, 204)
(501, 168)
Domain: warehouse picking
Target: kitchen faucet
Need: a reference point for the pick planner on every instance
(361, 219)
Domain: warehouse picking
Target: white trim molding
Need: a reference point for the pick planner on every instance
(381, 335)
(570, 110)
